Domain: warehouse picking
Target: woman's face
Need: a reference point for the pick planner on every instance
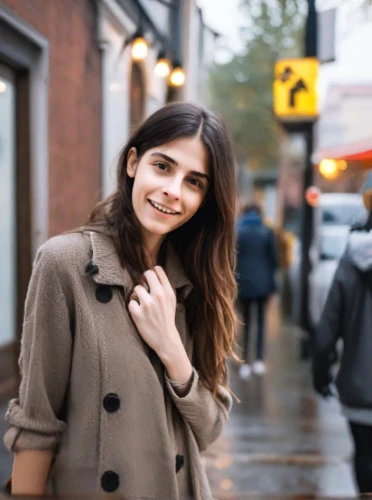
(170, 184)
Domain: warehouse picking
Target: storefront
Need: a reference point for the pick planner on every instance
(343, 168)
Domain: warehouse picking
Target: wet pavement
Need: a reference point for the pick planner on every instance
(281, 440)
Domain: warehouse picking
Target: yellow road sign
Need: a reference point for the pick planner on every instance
(295, 92)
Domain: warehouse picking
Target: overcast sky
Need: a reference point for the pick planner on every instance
(223, 16)
(353, 42)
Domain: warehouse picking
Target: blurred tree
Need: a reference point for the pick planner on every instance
(241, 90)
(359, 4)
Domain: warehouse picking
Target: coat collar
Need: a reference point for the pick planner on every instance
(110, 271)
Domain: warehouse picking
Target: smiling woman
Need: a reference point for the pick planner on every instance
(139, 306)
(167, 191)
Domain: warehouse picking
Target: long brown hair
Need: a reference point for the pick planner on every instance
(205, 244)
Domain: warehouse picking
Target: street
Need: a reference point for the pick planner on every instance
(281, 439)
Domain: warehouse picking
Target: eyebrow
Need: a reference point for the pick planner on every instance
(172, 160)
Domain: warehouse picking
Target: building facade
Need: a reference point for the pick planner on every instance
(71, 92)
(49, 134)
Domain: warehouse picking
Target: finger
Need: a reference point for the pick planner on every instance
(134, 309)
(163, 278)
(154, 282)
(133, 296)
(142, 294)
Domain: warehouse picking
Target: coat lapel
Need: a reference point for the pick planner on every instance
(176, 274)
(104, 255)
(110, 271)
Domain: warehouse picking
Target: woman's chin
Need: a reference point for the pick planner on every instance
(156, 229)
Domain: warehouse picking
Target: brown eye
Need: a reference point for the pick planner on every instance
(162, 166)
(196, 182)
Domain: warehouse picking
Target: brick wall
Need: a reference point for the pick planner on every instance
(74, 105)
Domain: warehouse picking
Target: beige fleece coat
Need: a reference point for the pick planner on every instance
(91, 393)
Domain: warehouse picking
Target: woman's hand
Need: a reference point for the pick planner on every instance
(155, 311)
(154, 316)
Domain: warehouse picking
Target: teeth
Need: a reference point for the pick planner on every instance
(162, 209)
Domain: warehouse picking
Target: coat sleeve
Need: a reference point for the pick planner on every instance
(328, 332)
(205, 413)
(35, 416)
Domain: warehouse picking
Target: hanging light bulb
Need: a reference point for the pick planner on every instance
(162, 67)
(177, 77)
(139, 47)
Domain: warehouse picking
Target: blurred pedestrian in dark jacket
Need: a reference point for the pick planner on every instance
(347, 315)
(256, 264)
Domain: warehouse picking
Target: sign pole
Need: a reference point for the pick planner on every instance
(307, 211)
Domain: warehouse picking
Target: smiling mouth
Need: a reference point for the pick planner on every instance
(162, 209)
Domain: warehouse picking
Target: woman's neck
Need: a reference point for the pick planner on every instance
(152, 247)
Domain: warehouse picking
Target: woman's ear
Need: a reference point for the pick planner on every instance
(132, 162)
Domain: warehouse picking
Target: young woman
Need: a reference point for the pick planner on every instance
(128, 324)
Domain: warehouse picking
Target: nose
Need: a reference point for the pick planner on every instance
(173, 189)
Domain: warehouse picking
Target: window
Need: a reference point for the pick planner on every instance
(8, 207)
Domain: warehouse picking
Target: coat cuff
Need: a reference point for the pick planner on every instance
(181, 389)
(16, 440)
(26, 434)
(189, 398)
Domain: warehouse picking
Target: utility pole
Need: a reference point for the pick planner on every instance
(311, 36)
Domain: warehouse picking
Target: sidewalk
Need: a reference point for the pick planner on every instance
(281, 439)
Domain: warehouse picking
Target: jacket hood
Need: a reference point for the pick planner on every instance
(251, 219)
(360, 249)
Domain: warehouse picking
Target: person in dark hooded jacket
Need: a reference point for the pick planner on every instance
(256, 265)
(347, 314)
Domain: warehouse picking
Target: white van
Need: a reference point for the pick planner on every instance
(339, 209)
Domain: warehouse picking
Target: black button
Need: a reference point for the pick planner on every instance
(179, 462)
(111, 402)
(91, 268)
(110, 481)
(104, 293)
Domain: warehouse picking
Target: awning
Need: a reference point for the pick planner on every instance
(360, 151)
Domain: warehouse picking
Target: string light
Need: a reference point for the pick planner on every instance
(177, 77)
(162, 67)
(139, 48)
